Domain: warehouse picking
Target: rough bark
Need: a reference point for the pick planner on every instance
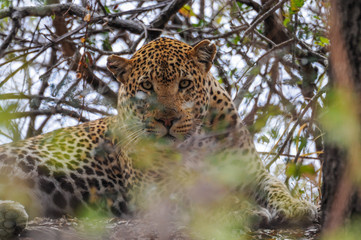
(340, 197)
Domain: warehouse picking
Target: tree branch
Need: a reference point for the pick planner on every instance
(140, 9)
(46, 112)
(55, 100)
(100, 86)
(10, 37)
(263, 17)
(159, 23)
(69, 49)
(290, 133)
(72, 9)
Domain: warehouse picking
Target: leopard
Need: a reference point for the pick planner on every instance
(168, 101)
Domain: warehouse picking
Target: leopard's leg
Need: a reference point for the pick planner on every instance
(267, 190)
(234, 161)
(286, 209)
(13, 219)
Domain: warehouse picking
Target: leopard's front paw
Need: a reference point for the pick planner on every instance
(298, 212)
(13, 219)
(307, 211)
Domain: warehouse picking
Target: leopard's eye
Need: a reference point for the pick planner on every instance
(146, 85)
(184, 84)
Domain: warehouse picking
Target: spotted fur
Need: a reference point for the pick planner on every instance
(166, 92)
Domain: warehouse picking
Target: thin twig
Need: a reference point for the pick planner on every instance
(41, 51)
(290, 133)
(259, 19)
(278, 46)
(52, 111)
(255, 30)
(289, 155)
(17, 57)
(239, 95)
(311, 51)
(102, 52)
(140, 10)
(10, 36)
(73, 9)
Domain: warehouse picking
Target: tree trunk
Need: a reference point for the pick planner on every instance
(340, 193)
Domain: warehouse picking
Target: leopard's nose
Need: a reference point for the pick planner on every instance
(167, 121)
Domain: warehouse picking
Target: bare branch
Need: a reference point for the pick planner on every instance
(46, 112)
(72, 9)
(10, 37)
(163, 18)
(290, 155)
(256, 6)
(259, 19)
(101, 87)
(140, 9)
(55, 100)
(290, 133)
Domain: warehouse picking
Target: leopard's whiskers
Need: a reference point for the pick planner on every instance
(131, 135)
(135, 136)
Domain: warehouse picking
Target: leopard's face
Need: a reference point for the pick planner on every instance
(165, 86)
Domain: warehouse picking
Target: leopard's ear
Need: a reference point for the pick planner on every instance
(204, 53)
(120, 67)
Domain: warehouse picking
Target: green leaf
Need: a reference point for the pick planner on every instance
(4, 3)
(187, 11)
(240, 5)
(302, 142)
(263, 139)
(233, 71)
(296, 5)
(286, 21)
(310, 169)
(291, 170)
(236, 40)
(324, 40)
(106, 9)
(274, 133)
(106, 45)
(297, 170)
(319, 43)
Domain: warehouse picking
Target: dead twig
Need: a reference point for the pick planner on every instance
(290, 133)
(47, 112)
(261, 18)
(9, 38)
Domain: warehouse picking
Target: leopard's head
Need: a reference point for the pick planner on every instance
(166, 86)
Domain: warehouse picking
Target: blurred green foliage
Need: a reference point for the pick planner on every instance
(340, 118)
(351, 231)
